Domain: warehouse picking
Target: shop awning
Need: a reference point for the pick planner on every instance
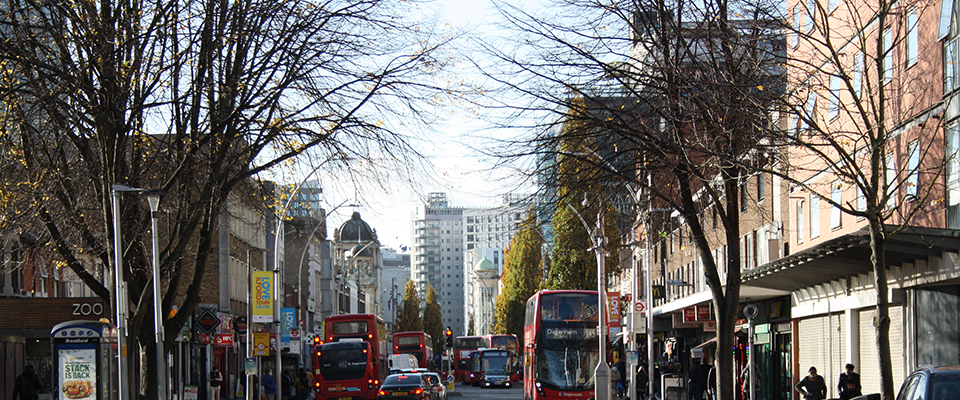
(849, 255)
(701, 349)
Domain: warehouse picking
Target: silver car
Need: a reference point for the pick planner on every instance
(438, 384)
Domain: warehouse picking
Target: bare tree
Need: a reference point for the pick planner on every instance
(194, 98)
(865, 131)
(678, 97)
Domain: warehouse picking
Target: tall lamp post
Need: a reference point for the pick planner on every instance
(602, 372)
(120, 293)
(153, 197)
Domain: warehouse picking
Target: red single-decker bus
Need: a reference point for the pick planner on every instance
(420, 344)
(561, 349)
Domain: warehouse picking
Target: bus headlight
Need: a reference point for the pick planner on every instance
(539, 388)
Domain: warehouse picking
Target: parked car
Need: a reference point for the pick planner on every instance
(931, 383)
(497, 377)
(438, 384)
(407, 387)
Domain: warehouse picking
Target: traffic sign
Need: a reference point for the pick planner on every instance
(294, 334)
(640, 306)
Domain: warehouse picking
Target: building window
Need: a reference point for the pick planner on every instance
(743, 195)
(836, 195)
(887, 54)
(953, 175)
(833, 110)
(913, 41)
(814, 215)
(913, 169)
(809, 109)
(811, 14)
(799, 221)
(857, 73)
(761, 187)
(891, 180)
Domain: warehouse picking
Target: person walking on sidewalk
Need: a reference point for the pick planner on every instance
(216, 379)
(813, 387)
(269, 385)
(28, 385)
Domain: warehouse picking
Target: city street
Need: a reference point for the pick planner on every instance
(469, 392)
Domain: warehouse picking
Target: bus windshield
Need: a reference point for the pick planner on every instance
(469, 343)
(504, 342)
(342, 360)
(349, 327)
(567, 349)
(496, 360)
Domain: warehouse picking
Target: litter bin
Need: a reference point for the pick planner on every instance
(673, 386)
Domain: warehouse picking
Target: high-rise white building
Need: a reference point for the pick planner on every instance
(437, 257)
(443, 237)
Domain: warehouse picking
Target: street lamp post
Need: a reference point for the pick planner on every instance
(602, 372)
(120, 293)
(153, 197)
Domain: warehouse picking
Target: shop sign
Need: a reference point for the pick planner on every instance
(208, 322)
(224, 340)
(689, 315)
(703, 312)
(226, 324)
(678, 321)
(710, 326)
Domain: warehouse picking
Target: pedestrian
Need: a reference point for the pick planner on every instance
(269, 385)
(615, 378)
(216, 379)
(697, 379)
(288, 388)
(310, 382)
(812, 387)
(849, 383)
(712, 380)
(642, 380)
(624, 377)
(28, 385)
(745, 379)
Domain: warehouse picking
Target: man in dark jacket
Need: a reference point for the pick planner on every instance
(849, 383)
(28, 385)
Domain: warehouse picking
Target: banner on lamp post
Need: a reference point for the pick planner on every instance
(262, 293)
(288, 320)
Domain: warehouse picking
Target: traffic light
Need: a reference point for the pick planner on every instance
(449, 337)
(316, 340)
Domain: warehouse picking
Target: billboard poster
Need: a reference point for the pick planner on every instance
(78, 373)
(262, 296)
(288, 321)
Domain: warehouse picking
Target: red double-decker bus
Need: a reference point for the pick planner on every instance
(561, 348)
(352, 361)
(505, 342)
(420, 344)
(462, 347)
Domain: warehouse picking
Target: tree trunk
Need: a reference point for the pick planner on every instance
(878, 247)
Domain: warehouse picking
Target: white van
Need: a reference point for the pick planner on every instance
(399, 362)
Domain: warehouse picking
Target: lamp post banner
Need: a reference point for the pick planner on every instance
(262, 289)
(288, 318)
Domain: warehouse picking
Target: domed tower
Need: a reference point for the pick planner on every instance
(357, 253)
(486, 277)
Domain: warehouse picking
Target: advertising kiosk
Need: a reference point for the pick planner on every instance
(84, 355)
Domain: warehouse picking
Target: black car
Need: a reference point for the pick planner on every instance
(932, 383)
(407, 386)
(495, 377)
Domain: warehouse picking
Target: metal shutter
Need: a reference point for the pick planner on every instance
(838, 326)
(812, 348)
(897, 349)
(869, 367)
(870, 364)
